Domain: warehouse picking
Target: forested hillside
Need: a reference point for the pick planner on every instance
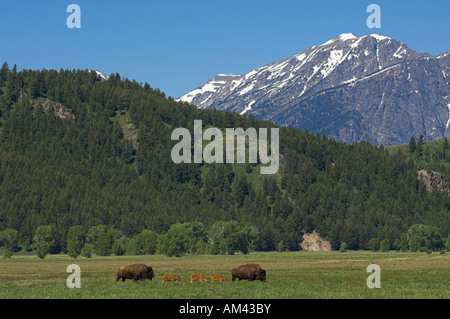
(79, 151)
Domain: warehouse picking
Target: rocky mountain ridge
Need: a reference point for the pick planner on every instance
(351, 88)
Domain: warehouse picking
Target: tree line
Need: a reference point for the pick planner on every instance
(187, 238)
(222, 238)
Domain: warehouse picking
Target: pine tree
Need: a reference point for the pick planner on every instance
(240, 189)
(12, 88)
(412, 145)
(445, 148)
(419, 148)
(209, 185)
(4, 74)
(34, 86)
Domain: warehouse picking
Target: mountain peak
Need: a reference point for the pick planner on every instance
(378, 37)
(363, 82)
(347, 36)
(350, 36)
(343, 37)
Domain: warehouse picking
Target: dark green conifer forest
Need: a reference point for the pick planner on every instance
(85, 166)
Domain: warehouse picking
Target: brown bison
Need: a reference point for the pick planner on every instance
(135, 272)
(170, 278)
(218, 278)
(198, 277)
(249, 272)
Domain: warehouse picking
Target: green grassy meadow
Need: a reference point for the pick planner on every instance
(290, 275)
(432, 151)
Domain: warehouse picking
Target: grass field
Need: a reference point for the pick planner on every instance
(290, 275)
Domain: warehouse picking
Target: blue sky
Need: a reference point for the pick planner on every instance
(177, 45)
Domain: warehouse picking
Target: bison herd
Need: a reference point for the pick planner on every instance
(141, 272)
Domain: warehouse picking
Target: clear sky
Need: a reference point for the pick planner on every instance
(177, 45)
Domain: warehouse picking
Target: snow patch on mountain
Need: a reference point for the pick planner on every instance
(379, 37)
(213, 86)
(400, 52)
(276, 70)
(100, 74)
(300, 57)
(448, 123)
(334, 59)
(247, 89)
(248, 108)
(342, 37)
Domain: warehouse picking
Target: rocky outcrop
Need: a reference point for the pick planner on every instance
(58, 109)
(434, 180)
(313, 242)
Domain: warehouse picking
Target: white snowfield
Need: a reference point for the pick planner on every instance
(212, 86)
(448, 123)
(248, 108)
(296, 69)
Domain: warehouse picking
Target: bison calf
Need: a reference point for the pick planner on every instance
(198, 277)
(218, 278)
(249, 272)
(135, 272)
(170, 278)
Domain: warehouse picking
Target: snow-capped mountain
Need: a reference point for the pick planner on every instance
(101, 75)
(351, 88)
